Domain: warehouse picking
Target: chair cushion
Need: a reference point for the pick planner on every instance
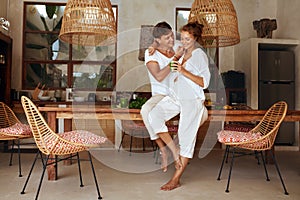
(83, 137)
(226, 136)
(239, 127)
(172, 128)
(17, 129)
(135, 125)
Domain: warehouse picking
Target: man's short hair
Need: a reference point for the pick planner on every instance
(160, 29)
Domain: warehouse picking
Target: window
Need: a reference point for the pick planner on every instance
(56, 64)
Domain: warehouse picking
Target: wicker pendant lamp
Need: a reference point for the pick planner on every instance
(219, 20)
(88, 23)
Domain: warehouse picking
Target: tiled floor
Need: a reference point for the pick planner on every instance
(133, 177)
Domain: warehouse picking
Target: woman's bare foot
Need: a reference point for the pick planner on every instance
(164, 161)
(171, 185)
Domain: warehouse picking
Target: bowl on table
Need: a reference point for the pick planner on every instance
(79, 99)
(44, 98)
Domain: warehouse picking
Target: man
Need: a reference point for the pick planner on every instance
(158, 71)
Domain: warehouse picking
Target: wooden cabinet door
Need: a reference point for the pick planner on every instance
(5, 68)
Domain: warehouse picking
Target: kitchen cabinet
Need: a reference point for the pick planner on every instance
(5, 67)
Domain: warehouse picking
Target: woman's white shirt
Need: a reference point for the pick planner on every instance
(182, 87)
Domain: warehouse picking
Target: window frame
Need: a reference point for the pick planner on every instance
(70, 62)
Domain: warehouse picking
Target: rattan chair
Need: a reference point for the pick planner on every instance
(11, 129)
(67, 144)
(135, 129)
(260, 139)
(172, 125)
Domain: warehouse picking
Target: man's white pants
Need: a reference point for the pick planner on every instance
(192, 114)
(145, 110)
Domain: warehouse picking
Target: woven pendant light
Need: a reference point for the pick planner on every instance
(219, 20)
(88, 23)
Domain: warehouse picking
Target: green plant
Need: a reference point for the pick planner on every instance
(138, 102)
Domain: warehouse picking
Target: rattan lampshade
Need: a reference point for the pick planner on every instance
(219, 20)
(88, 23)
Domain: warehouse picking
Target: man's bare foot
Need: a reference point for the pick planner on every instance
(164, 161)
(171, 185)
(177, 161)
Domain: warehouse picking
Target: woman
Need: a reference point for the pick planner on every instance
(186, 97)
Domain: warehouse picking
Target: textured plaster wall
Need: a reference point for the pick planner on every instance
(247, 11)
(3, 8)
(132, 14)
(288, 20)
(132, 73)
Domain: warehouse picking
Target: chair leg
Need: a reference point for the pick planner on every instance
(264, 163)
(153, 147)
(130, 145)
(156, 154)
(41, 155)
(56, 166)
(256, 156)
(143, 144)
(42, 177)
(19, 155)
(121, 142)
(278, 171)
(79, 168)
(229, 175)
(95, 178)
(19, 158)
(31, 169)
(225, 157)
(11, 152)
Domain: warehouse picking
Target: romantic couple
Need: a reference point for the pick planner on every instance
(176, 92)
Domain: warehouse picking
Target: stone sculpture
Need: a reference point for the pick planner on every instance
(264, 27)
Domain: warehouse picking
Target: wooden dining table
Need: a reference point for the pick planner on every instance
(105, 112)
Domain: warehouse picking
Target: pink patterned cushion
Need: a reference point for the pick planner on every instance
(83, 137)
(225, 136)
(172, 128)
(238, 127)
(17, 129)
(134, 125)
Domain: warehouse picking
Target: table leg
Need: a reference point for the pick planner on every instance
(118, 133)
(68, 127)
(52, 169)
